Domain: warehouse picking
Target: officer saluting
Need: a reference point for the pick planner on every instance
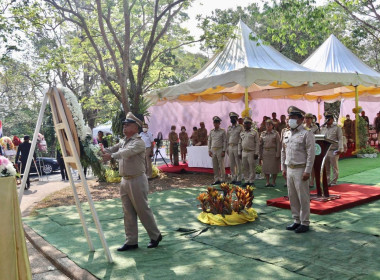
(249, 151)
(217, 142)
(233, 136)
(130, 152)
(297, 159)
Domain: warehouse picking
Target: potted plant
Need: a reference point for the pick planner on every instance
(367, 152)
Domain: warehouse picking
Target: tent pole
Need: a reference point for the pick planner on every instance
(246, 98)
(357, 144)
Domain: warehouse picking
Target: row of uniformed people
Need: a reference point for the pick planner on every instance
(244, 146)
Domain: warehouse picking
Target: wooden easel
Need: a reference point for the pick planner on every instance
(67, 137)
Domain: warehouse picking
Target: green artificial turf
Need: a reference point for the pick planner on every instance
(341, 245)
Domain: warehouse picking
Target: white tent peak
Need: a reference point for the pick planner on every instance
(241, 51)
(333, 56)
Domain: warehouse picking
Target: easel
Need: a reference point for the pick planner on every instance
(62, 119)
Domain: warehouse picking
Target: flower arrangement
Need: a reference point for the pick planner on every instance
(246, 113)
(16, 141)
(233, 199)
(41, 143)
(6, 168)
(368, 150)
(90, 153)
(357, 110)
(6, 143)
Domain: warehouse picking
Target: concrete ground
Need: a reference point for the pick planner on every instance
(46, 262)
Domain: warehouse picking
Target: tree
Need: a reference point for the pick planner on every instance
(126, 42)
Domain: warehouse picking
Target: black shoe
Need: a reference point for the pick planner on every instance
(233, 182)
(302, 229)
(293, 226)
(127, 247)
(238, 183)
(216, 183)
(154, 243)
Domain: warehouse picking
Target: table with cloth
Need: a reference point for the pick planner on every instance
(14, 260)
(197, 156)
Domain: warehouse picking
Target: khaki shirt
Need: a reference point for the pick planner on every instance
(270, 141)
(348, 127)
(314, 128)
(233, 134)
(334, 132)
(249, 141)
(131, 155)
(217, 139)
(194, 137)
(173, 137)
(202, 136)
(183, 139)
(298, 148)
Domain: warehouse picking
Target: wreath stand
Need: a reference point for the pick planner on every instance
(66, 133)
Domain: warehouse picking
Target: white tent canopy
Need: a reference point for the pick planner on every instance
(334, 57)
(251, 64)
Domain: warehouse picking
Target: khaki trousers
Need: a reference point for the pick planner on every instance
(218, 164)
(299, 196)
(235, 163)
(134, 197)
(332, 162)
(249, 166)
(148, 162)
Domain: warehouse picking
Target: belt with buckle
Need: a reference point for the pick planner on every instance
(268, 149)
(130, 177)
(216, 148)
(294, 166)
(232, 144)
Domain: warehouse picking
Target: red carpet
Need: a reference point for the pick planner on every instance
(184, 168)
(351, 195)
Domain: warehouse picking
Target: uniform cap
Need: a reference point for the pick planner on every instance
(216, 119)
(131, 118)
(269, 121)
(309, 115)
(328, 115)
(294, 111)
(233, 114)
(247, 120)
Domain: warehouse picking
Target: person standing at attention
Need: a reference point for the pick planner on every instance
(173, 139)
(332, 132)
(134, 187)
(148, 138)
(183, 143)
(297, 159)
(270, 152)
(233, 136)
(249, 151)
(217, 142)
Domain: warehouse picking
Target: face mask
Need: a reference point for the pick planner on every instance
(293, 123)
(173, 130)
(145, 129)
(183, 130)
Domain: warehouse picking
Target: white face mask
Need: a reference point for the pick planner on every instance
(145, 129)
(293, 123)
(183, 130)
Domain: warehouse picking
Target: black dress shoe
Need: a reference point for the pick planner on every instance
(238, 183)
(293, 226)
(233, 182)
(302, 229)
(154, 243)
(216, 183)
(127, 247)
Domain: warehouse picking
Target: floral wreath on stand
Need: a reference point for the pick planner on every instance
(6, 168)
(89, 153)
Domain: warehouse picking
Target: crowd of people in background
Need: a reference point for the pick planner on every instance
(247, 145)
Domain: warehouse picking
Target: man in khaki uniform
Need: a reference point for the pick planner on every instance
(309, 124)
(130, 152)
(297, 159)
(217, 144)
(233, 136)
(347, 126)
(148, 139)
(202, 134)
(249, 151)
(333, 132)
(281, 124)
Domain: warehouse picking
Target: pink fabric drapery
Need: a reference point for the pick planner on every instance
(190, 114)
